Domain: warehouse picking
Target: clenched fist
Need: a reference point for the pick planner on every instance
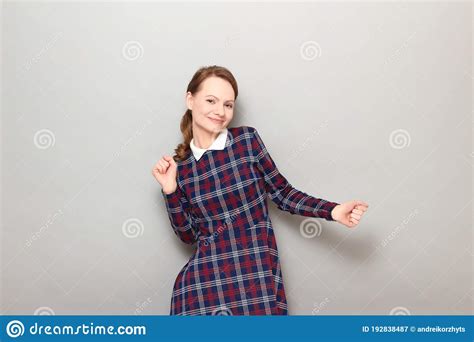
(349, 213)
(165, 173)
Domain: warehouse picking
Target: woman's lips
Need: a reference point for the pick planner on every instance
(216, 120)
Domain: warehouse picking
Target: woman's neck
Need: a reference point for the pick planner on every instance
(203, 138)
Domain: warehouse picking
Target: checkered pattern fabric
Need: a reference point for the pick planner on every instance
(220, 206)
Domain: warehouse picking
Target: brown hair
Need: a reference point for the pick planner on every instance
(186, 121)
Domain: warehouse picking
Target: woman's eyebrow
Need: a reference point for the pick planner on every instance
(218, 98)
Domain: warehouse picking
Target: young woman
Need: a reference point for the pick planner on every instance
(215, 190)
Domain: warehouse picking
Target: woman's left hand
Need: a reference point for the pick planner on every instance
(349, 213)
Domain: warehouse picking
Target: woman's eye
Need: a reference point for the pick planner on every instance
(212, 101)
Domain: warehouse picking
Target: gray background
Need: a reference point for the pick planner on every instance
(366, 101)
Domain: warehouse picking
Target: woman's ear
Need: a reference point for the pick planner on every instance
(189, 100)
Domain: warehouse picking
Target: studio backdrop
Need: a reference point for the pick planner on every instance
(354, 100)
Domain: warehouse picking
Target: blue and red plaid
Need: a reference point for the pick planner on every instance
(220, 205)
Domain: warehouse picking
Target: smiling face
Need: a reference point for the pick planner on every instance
(213, 105)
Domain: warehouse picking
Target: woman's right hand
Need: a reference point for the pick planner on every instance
(164, 172)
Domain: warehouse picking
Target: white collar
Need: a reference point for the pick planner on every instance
(218, 144)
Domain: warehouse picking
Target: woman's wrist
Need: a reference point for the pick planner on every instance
(167, 191)
(333, 211)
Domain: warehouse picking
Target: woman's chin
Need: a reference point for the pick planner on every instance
(216, 127)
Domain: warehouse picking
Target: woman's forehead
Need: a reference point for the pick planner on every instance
(217, 87)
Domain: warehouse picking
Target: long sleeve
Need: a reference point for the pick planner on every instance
(178, 212)
(281, 192)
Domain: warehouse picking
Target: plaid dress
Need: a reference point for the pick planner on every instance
(220, 206)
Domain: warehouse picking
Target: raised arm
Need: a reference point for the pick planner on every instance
(179, 216)
(281, 192)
